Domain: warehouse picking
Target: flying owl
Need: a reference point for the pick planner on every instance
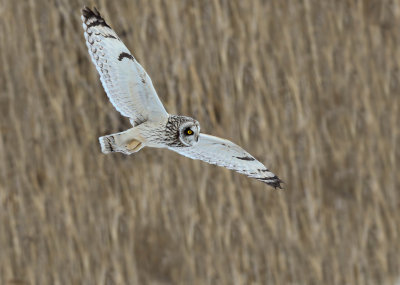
(132, 93)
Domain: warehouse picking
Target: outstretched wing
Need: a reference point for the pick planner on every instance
(225, 153)
(126, 83)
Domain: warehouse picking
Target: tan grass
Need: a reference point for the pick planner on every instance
(311, 88)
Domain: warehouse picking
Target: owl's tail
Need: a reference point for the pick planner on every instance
(107, 144)
(121, 142)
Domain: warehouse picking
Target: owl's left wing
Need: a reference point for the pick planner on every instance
(225, 153)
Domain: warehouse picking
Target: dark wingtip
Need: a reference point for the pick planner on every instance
(272, 181)
(87, 12)
(276, 183)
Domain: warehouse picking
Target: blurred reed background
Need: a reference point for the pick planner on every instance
(311, 88)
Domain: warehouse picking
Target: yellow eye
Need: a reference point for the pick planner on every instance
(189, 132)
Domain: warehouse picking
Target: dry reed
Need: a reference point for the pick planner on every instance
(309, 87)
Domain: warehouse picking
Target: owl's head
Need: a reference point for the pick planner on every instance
(189, 131)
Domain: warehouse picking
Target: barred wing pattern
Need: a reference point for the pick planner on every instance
(126, 83)
(225, 153)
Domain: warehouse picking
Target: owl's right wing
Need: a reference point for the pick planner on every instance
(126, 83)
(225, 153)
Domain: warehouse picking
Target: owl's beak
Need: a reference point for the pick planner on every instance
(197, 138)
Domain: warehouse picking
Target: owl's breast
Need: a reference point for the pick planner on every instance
(154, 134)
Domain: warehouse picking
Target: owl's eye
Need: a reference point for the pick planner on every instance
(189, 132)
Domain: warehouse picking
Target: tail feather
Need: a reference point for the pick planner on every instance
(107, 144)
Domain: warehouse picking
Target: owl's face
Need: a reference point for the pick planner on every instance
(189, 132)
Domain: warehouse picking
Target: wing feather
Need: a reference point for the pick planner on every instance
(225, 153)
(126, 83)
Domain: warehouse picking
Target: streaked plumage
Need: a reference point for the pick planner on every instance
(131, 91)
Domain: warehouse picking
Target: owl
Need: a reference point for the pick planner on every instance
(132, 93)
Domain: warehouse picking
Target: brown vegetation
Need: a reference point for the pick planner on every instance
(311, 88)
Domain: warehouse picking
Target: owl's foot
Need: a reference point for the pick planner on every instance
(134, 146)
